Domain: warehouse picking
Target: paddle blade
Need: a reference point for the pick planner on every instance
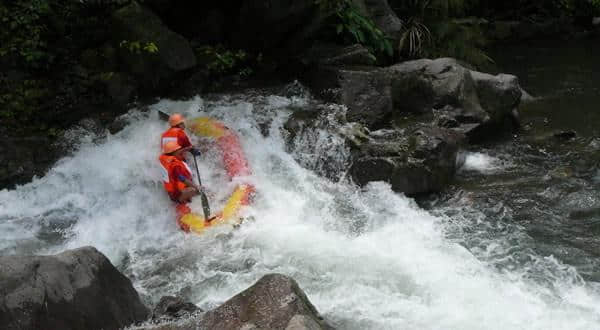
(163, 115)
(205, 206)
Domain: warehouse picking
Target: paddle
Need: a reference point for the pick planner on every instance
(205, 207)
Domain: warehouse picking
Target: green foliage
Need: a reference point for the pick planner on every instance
(22, 33)
(136, 47)
(432, 28)
(19, 103)
(357, 28)
(220, 61)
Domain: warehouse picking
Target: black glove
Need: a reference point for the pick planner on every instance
(195, 151)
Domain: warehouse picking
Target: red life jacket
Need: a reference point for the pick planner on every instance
(173, 185)
(175, 134)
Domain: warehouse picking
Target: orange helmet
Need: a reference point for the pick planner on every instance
(176, 119)
(171, 147)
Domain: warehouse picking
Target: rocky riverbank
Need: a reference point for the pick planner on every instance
(137, 52)
(81, 289)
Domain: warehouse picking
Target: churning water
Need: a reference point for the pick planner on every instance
(367, 258)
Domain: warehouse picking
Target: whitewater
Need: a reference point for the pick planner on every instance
(368, 258)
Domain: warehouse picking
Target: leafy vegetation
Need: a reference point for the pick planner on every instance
(136, 47)
(354, 27)
(23, 32)
(220, 61)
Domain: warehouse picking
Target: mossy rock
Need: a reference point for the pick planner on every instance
(147, 48)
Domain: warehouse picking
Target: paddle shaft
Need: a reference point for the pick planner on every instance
(205, 206)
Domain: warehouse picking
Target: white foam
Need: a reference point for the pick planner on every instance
(480, 162)
(367, 258)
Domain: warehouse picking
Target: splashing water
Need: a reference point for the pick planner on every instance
(367, 258)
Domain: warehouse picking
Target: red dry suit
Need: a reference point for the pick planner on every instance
(175, 172)
(175, 134)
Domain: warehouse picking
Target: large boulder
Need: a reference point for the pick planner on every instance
(278, 25)
(466, 101)
(22, 158)
(76, 289)
(365, 90)
(413, 160)
(274, 302)
(499, 95)
(423, 85)
(136, 30)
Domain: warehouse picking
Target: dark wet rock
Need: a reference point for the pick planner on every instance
(332, 54)
(22, 158)
(119, 88)
(173, 307)
(565, 135)
(135, 23)
(423, 85)
(76, 289)
(324, 134)
(498, 95)
(364, 90)
(284, 25)
(414, 160)
(274, 302)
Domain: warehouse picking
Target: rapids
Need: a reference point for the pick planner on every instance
(367, 258)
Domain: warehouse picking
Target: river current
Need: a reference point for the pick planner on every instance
(368, 258)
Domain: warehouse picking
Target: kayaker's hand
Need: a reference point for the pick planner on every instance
(195, 151)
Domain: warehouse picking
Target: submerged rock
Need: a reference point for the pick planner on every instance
(76, 289)
(274, 302)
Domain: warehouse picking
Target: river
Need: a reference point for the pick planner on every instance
(512, 244)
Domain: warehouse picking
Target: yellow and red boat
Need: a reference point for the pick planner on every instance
(235, 164)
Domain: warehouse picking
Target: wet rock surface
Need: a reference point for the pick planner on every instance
(137, 24)
(414, 160)
(76, 289)
(274, 302)
(173, 307)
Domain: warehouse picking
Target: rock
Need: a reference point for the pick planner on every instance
(76, 289)
(274, 302)
(422, 85)
(303, 322)
(502, 30)
(414, 161)
(278, 25)
(22, 158)
(596, 21)
(565, 135)
(498, 95)
(322, 133)
(364, 90)
(332, 54)
(173, 307)
(136, 27)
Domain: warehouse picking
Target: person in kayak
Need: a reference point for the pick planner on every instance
(177, 176)
(176, 132)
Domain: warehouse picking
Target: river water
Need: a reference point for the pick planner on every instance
(509, 246)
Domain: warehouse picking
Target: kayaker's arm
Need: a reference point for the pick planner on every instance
(189, 183)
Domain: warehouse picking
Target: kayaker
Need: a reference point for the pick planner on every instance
(176, 132)
(177, 176)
